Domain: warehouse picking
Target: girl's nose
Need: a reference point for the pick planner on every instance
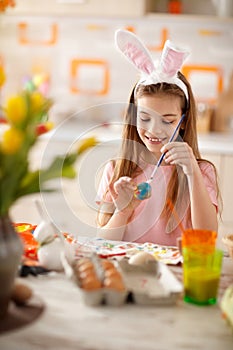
(155, 126)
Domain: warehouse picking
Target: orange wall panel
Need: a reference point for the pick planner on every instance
(77, 64)
(187, 70)
(23, 29)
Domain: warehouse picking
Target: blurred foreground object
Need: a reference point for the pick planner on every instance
(228, 241)
(227, 305)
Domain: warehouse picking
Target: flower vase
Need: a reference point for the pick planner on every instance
(11, 250)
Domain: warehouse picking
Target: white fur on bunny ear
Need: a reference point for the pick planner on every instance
(134, 50)
(172, 59)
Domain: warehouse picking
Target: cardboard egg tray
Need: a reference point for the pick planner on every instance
(100, 281)
(149, 284)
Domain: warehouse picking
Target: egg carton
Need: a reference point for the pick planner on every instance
(152, 283)
(149, 284)
(104, 296)
(99, 294)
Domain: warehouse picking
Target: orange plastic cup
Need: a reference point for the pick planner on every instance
(199, 240)
(201, 266)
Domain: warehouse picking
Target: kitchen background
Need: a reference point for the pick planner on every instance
(69, 47)
(66, 47)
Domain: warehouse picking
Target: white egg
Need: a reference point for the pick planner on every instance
(141, 258)
(49, 255)
(43, 231)
(70, 252)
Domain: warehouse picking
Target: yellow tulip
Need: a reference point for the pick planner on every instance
(86, 143)
(2, 76)
(16, 109)
(12, 140)
(37, 102)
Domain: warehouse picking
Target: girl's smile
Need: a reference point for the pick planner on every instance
(156, 141)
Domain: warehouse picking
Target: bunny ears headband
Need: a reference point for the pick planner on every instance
(171, 60)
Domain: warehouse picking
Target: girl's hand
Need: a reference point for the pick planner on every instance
(180, 153)
(122, 192)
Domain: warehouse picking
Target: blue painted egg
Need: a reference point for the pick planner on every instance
(143, 191)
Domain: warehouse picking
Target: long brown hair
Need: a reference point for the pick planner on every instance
(131, 147)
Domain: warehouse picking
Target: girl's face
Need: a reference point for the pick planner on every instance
(157, 117)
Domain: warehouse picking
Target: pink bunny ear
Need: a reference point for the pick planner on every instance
(133, 49)
(172, 59)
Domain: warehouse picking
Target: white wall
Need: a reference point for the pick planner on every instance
(35, 48)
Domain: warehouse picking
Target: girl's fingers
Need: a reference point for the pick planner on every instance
(122, 192)
(178, 149)
(179, 153)
(182, 156)
(174, 145)
(124, 183)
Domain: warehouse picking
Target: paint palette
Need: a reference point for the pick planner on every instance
(107, 248)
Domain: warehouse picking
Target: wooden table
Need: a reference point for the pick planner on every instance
(68, 324)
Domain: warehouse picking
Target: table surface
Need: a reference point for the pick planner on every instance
(67, 323)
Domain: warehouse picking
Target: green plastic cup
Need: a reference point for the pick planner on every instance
(201, 275)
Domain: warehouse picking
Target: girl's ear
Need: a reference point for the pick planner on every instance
(134, 50)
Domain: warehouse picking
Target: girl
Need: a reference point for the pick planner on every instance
(183, 182)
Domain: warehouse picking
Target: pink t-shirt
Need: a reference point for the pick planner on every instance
(147, 224)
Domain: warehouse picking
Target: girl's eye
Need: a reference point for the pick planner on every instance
(144, 118)
(167, 121)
